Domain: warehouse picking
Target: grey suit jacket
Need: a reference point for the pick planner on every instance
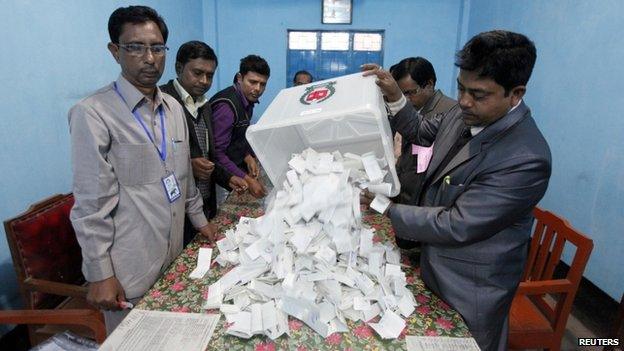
(411, 181)
(438, 103)
(474, 219)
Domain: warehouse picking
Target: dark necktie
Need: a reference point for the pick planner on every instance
(464, 137)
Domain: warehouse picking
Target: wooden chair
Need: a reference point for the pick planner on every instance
(47, 261)
(91, 319)
(534, 322)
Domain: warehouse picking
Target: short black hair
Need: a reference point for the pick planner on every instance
(134, 15)
(254, 63)
(392, 68)
(302, 72)
(418, 68)
(195, 49)
(505, 57)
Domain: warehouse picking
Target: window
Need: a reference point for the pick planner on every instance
(302, 40)
(328, 54)
(335, 41)
(367, 42)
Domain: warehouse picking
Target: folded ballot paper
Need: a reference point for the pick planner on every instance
(311, 257)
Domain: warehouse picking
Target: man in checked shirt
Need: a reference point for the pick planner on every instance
(195, 66)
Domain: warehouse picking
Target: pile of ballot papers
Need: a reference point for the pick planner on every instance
(311, 257)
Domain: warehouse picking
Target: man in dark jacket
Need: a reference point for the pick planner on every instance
(416, 79)
(232, 110)
(195, 66)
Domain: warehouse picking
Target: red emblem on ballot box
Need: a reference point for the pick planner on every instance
(318, 93)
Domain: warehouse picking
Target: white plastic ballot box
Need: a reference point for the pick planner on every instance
(346, 113)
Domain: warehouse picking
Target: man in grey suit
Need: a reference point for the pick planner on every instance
(490, 167)
(416, 78)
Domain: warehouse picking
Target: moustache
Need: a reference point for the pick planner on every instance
(466, 113)
(150, 71)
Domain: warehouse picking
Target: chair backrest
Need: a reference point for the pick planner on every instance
(547, 244)
(44, 246)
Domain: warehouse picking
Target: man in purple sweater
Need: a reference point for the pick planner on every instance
(232, 109)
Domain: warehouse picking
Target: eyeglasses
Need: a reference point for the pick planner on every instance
(411, 92)
(140, 49)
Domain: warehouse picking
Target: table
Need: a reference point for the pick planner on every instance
(175, 291)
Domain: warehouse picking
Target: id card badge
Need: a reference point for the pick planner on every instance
(172, 189)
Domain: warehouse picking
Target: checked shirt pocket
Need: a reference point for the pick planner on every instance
(135, 164)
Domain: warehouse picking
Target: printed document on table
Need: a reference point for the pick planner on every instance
(440, 343)
(160, 331)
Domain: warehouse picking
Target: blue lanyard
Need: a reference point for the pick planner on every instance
(162, 152)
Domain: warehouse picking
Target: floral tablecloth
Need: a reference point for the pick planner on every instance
(175, 291)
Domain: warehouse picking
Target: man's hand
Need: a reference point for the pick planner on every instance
(238, 184)
(388, 85)
(366, 197)
(202, 168)
(106, 294)
(256, 189)
(398, 146)
(209, 231)
(252, 166)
